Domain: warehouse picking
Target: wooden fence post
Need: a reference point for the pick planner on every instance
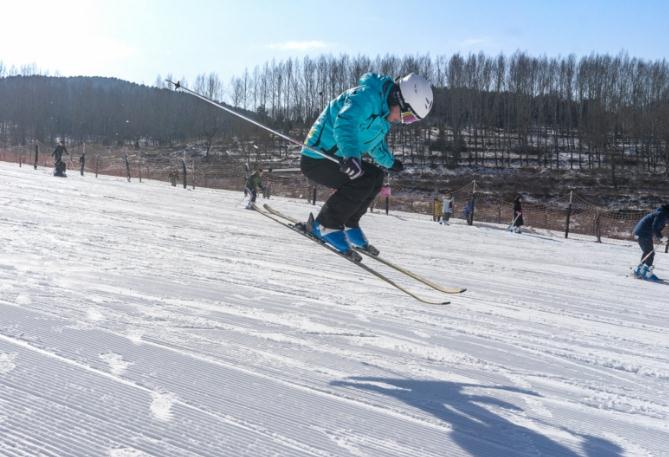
(598, 226)
(571, 199)
(127, 166)
(470, 220)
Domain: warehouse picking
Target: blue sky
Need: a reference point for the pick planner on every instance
(137, 40)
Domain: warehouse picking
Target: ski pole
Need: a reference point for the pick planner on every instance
(645, 257)
(513, 221)
(177, 85)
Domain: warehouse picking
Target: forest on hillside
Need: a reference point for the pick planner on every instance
(593, 112)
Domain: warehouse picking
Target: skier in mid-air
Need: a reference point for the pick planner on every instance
(353, 125)
(650, 226)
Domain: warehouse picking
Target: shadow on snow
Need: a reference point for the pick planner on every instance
(476, 429)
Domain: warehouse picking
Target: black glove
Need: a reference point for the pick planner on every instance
(352, 167)
(397, 166)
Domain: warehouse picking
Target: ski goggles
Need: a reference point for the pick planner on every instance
(408, 117)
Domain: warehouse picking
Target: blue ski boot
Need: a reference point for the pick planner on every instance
(358, 239)
(639, 271)
(336, 238)
(649, 275)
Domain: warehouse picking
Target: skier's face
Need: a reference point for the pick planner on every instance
(395, 115)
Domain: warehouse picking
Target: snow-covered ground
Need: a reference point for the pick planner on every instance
(147, 320)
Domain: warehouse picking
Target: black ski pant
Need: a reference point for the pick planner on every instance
(647, 248)
(351, 198)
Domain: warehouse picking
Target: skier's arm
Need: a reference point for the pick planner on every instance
(658, 224)
(382, 155)
(346, 126)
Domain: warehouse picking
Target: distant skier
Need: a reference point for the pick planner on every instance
(253, 183)
(353, 125)
(82, 163)
(447, 208)
(437, 209)
(173, 175)
(651, 225)
(267, 189)
(468, 211)
(59, 165)
(517, 215)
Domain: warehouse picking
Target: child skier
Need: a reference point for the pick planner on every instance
(650, 225)
(253, 182)
(447, 207)
(353, 125)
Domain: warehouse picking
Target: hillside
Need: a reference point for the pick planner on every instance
(140, 319)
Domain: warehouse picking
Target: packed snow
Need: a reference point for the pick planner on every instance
(140, 319)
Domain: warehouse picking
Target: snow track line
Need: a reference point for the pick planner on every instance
(209, 359)
(44, 352)
(257, 429)
(394, 413)
(580, 364)
(301, 387)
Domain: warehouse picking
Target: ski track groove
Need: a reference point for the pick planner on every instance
(395, 414)
(140, 425)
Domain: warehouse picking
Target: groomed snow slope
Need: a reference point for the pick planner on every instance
(139, 319)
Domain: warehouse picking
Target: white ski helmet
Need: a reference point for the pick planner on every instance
(416, 95)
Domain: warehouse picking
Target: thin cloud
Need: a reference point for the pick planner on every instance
(298, 45)
(473, 42)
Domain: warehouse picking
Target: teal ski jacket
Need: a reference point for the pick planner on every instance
(355, 123)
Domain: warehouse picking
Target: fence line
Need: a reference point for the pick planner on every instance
(581, 216)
